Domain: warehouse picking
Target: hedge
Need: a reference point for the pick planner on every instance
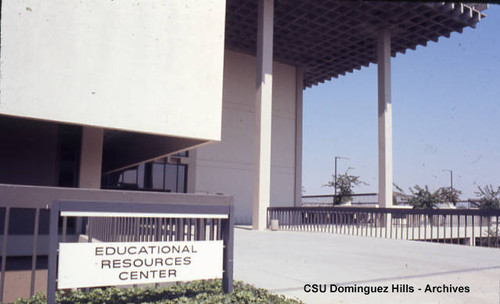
(207, 291)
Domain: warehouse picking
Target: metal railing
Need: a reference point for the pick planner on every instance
(24, 229)
(359, 199)
(145, 222)
(128, 229)
(457, 226)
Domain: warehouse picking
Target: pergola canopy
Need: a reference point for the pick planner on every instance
(330, 38)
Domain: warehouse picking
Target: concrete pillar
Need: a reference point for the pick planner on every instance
(90, 163)
(299, 88)
(263, 114)
(91, 158)
(191, 172)
(384, 119)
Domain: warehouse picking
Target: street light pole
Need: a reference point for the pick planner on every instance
(451, 177)
(335, 176)
(451, 182)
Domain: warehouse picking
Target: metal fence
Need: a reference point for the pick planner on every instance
(359, 199)
(467, 226)
(134, 229)
(24, 228)
(145, 222)
(24, 233)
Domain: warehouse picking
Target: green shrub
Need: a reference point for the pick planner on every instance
(489, 197)
(207, 292)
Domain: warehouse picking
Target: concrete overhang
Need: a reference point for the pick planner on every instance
(331, 38)
(123, 150)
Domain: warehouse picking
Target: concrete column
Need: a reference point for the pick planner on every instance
(90, 163)
(191, 172)
(263, 114)
(91, 158)
(299, 88)
(384, 119)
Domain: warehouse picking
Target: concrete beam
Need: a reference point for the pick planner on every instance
(384, 119)
(263, 114)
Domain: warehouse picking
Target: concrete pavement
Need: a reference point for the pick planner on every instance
(353, 269)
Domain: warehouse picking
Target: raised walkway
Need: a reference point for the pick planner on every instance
(284, 262)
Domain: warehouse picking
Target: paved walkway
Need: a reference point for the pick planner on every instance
(284, 262)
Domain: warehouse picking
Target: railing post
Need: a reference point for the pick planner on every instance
(473, 243)
(488, 232)
(497, 241)
(34, 252)
(4, 249)
(228, 238)
(52, 263)
(451, 229)
(465, 230)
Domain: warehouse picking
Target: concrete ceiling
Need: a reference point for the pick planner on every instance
(330, 38)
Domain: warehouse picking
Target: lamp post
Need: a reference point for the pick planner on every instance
(335, 177)
(451, 182)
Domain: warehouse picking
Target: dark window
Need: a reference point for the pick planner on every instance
(158, 175)
(70, 138)
(185, 154)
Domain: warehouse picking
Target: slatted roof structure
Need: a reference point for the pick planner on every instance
(330, 38)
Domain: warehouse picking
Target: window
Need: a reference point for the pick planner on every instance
(165, 174)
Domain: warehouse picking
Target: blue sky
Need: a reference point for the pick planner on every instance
(446, 115)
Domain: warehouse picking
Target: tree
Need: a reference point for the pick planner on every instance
(345, 185)
(422, 198)
(449, 194)
(489, 197)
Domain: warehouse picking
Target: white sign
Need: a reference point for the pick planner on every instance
(126, 263)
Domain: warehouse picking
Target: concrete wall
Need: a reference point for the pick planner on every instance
(227, 167)
(147, 66)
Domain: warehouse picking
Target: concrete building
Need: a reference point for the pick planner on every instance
(191, 96)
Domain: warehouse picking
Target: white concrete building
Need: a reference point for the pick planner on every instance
(195, 96)
(93, 91)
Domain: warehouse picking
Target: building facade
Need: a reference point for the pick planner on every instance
(190, 96)
(141, 100)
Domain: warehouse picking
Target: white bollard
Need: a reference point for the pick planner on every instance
(274, 225)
